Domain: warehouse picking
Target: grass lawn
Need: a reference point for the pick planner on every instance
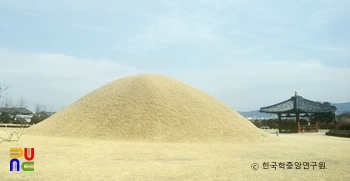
(89, 159)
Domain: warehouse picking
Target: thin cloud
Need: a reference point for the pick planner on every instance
(246, 53)
(247, 85)
(56, 80)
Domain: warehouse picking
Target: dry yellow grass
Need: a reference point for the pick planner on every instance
(150, 107)
(150, 127)
(59, 158)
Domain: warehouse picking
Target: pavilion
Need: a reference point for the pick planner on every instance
(298, 107)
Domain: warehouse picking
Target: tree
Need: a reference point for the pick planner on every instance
(272, 123)
(258, 123)
(22, 103)
(343, 121)
(19, 121)
(327, 117)
(7, 103)
(38, 108)
(38, 118)
(5, 117)
(3, 91)
(15, 134)
(3, 94)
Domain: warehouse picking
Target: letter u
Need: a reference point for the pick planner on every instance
(31, 152)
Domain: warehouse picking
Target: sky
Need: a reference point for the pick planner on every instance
(248, 54)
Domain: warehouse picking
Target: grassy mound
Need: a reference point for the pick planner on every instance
(149, 107)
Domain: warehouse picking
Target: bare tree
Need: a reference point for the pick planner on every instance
(13, 135)
(3, 91)
(7, 103)
(22, 103)
(38, 108)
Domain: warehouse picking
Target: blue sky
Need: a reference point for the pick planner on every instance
(248, 54)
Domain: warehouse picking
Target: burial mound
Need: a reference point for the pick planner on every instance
(150, 107)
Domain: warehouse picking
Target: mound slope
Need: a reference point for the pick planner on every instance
(149, 107)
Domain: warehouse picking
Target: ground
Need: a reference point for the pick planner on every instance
(89, 159)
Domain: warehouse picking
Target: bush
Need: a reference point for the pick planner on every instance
(257, 123)
(341, 133)
(37, 119)
(326, 125)
(19, 121)
(272, 123)
(343, 121)
(5, 118)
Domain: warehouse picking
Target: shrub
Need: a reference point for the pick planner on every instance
(5, 117)
(343, 121)
(257, 123)
(37, 119)
(19, 121)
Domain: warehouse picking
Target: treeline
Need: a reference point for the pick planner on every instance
(343, 121)
(7, 118)
(326, 121)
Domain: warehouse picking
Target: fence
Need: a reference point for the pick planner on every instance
(308, 128)
(15, 125)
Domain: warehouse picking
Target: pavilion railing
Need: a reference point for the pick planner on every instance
(308, 128)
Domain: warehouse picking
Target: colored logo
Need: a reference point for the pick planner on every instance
(16, 153)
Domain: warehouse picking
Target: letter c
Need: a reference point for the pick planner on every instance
(30, 168)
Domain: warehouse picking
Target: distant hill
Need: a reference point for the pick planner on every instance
(254, 114)
(342, 107)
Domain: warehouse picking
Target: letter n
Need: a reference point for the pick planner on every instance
(16, 162)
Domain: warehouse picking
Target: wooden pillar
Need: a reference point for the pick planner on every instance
(298, 121)
(316, 123)
(279, 122)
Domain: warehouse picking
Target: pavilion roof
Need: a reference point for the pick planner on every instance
(298, 104)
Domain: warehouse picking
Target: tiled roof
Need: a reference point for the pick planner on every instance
(15, 110)
(298, 104)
